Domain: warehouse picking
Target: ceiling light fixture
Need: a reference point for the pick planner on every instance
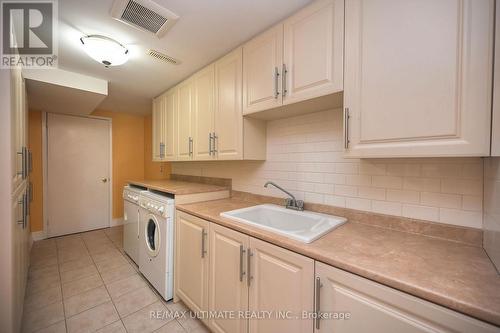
(105, 50)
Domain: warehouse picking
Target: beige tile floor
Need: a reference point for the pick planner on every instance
(85, 283)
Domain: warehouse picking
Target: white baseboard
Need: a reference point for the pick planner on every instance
(38, 235)
(116, 222)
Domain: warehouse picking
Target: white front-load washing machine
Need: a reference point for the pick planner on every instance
(156, 246)
(131, 221)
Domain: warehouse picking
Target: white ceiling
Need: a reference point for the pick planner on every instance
(206, 30)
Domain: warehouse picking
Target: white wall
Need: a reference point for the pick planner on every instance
(492, 209)
(304, 154)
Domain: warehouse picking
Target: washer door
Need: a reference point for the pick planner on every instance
(152, 236)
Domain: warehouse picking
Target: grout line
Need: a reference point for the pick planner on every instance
(60, 285)
(104, 284)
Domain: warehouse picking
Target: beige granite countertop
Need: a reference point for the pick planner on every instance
(452, 274)
(177, 187)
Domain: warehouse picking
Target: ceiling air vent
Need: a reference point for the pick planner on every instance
(145, 15)
(163, 57)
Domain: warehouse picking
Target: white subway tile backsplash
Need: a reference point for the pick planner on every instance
(421, 212)
(305, 156)
(441, 200)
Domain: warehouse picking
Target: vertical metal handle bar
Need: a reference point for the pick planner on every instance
(216, 142)
(346, 128)
(318, 303)
(242, 272)
(249, 275)
(283, 80)
(276, 78)
(203, 235)
(210, 144)
(190, 146)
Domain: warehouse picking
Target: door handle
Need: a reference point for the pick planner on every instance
(276, 78)
(104, 180)
(203, 235)
(346, 128)
(215, 137)
(283, 80)
(242, 272)
(210, 144)
(249, 275)
(318, 303)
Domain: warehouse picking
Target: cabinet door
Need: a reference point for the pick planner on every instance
(17, 126)
(228, 282)
(281, 281)
(191, 261)
(418, 77)
(157, 129)
(375, 308)
(228, 116)
(262, 62)
(313, 51)
(184, 138)
(204, 107)
(170, 124)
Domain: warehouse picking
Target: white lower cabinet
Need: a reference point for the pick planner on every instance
(191, 261)
(375, 308)
(250, 286)
(280, 284)
(228, 287)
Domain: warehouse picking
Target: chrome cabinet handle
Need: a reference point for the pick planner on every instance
(346, 128)
(318, 303)
(210, 144)
(190, 146)
(203, 235)
(215, 137)
(283, 80)
(249, 275)
(23, 173)
(242, 272)
(276, 78)
(22, 203)
(162, 150)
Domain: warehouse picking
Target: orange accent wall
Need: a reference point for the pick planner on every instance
(153, 170)
(132, 158)
(36, 176)
(128, 146)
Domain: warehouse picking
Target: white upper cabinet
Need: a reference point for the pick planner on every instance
(313, 51)
(157, 129)
(228, 140)
(184, 122)
(263, 60)
(299, 59)
(203, 113)
(418, 77)
(170, 124)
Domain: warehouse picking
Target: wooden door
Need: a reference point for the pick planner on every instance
(372, 307)
(204, 108)
(192, 261)
(228, 289)
(262, 62)
(228, 113)
(184, 123)
(418, 77)
(170, 124)
(281, 282)
(157, 128)
(313, 52)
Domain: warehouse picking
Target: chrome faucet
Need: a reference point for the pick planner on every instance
(290, 203)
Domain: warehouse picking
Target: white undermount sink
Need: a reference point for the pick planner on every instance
(303, 226)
